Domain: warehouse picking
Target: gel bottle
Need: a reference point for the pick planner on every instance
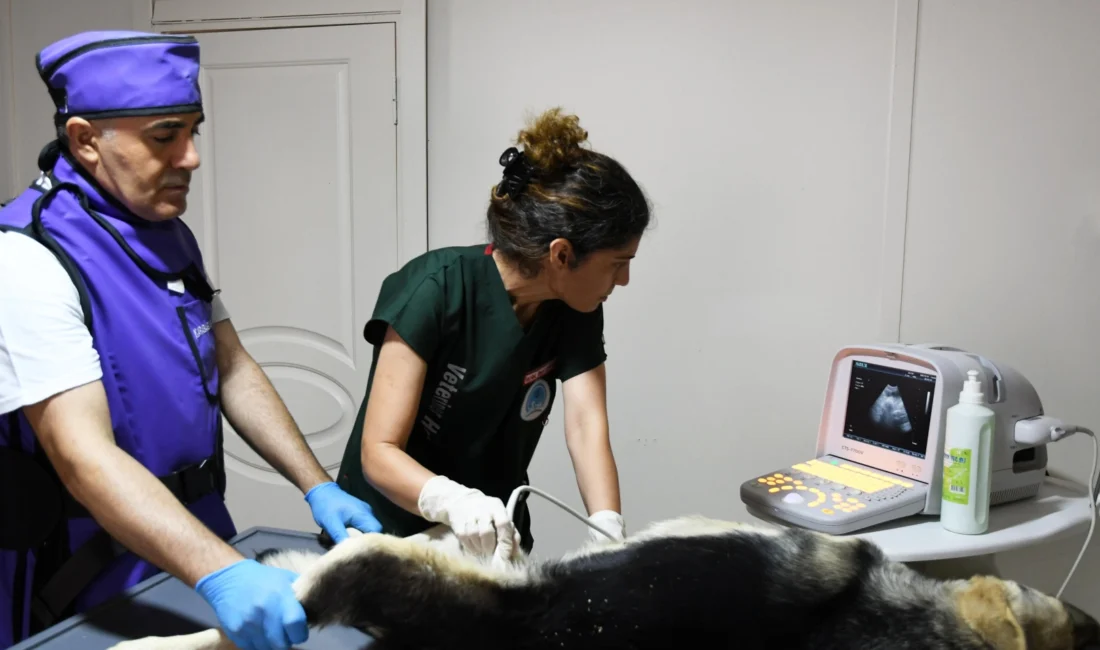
(967, 467)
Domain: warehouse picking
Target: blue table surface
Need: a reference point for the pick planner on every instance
(162, 606)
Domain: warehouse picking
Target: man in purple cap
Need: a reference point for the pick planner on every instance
(118, 359)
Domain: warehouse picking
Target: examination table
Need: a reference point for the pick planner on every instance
(162, 605)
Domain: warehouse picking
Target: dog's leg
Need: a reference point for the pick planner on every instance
(409, 590)
(376, 582)
(212, 639)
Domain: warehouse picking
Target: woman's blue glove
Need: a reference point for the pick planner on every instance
(256, 605)
(335, 511)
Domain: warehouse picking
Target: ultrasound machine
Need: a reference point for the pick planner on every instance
(879, 453)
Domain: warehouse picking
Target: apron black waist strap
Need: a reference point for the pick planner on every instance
(50, 603)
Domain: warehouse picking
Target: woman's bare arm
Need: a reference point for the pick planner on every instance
(388, 421)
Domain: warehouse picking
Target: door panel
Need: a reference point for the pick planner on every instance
(295, 208)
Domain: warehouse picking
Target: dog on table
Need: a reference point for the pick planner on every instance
(686, 582)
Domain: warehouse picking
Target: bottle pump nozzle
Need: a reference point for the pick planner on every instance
(972, 389)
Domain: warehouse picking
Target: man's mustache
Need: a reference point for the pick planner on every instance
(175, 180)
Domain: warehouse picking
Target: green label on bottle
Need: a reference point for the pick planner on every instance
(956, 475)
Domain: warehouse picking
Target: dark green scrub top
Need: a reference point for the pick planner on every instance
(489, 386)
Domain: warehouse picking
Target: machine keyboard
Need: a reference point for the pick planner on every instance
(832, 487)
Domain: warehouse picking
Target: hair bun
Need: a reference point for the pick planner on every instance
(553, 141)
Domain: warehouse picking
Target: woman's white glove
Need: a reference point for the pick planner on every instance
(610, 521)
(476, 519)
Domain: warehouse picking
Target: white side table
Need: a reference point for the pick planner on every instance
(1059, 510)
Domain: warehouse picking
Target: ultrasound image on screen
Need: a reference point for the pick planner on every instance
(889, 408)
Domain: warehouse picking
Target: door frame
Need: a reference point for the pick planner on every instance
(410, 84)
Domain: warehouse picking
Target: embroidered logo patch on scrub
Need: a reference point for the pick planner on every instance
(535, 401)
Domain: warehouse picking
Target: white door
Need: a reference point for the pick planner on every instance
(295, 208)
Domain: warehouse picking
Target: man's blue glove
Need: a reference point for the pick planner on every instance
(335, 511)
(255, 605)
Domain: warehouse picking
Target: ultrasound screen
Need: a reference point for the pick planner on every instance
(889, 408)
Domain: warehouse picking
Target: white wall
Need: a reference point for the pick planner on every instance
(760, 131)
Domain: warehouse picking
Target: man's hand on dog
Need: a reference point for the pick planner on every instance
(335, 511)
(256, 605)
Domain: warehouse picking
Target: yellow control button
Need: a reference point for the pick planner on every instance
(826, 511)
(761, 480)
(798, 482)
(773, 490)
(800, 487)
(777, 475)
(851, 500)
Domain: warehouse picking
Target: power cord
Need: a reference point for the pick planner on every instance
(514, 499)
(1057, 433)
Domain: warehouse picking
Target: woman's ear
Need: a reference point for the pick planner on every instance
(561, 253)
(983, 605)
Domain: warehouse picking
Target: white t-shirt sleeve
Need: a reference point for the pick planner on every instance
(45, 348)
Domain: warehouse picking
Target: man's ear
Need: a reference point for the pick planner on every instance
(983, 605)
(83, 140)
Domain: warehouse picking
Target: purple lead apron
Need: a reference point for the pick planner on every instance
(148, 306)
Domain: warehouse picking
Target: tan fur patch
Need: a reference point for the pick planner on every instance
(1046, 623)
(983, 605)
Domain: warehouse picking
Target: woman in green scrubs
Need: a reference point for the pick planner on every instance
(470, 341)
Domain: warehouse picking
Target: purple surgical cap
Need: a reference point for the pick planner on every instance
(102, 74)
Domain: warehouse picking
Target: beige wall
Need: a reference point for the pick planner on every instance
(760, 130)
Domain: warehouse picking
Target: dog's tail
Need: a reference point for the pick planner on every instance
(408, 593)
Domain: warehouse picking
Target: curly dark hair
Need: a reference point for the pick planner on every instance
(555, 188)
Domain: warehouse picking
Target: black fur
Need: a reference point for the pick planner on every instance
(733, 591)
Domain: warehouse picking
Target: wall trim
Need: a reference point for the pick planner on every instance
(898, 147)
(410, 19)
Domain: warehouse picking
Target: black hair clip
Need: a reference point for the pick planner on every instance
(517, 172)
